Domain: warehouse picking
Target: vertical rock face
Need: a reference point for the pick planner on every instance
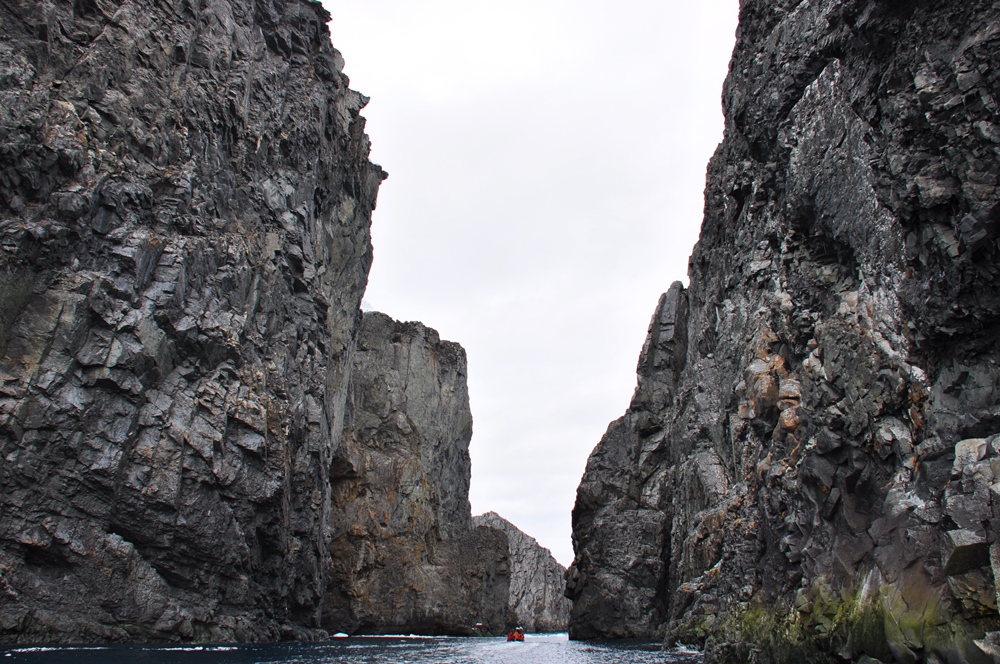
(406, 557)
(185, 201)
(619, 535)
(807, 467)
(537, 580)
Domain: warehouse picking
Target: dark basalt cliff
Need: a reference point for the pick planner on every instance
(185, 199)
(537, 580)
(808, 466)
(406, 557)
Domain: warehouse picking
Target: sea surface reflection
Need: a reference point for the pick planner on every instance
(536, 649)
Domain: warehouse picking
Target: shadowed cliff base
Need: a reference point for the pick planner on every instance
(807, 469)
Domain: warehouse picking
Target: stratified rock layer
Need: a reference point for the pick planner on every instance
(537, 580)
(185, 199)
(405, 555)
(807, 467)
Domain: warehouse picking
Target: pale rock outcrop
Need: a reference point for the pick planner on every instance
(537, 580)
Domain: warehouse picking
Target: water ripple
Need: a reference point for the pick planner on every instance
(536, 649)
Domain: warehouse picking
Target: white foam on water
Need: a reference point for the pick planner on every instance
(197, 648)
(182, 649)
(49, 649)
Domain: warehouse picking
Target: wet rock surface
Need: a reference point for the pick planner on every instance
(185, 199)
(807, 465)
(406, 555)
(537, 580)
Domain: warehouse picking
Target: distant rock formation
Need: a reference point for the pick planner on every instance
(808, 467)
(537, 580)
(405, 555)
(185, 201)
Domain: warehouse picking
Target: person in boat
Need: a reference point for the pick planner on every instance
(516, 634)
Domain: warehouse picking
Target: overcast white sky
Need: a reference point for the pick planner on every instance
(546, 164)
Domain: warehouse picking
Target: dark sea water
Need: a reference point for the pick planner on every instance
(536, 649)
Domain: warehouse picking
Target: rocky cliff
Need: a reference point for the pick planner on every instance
(537, 580)
(807, 467)
(185, 199)
(405, 554)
